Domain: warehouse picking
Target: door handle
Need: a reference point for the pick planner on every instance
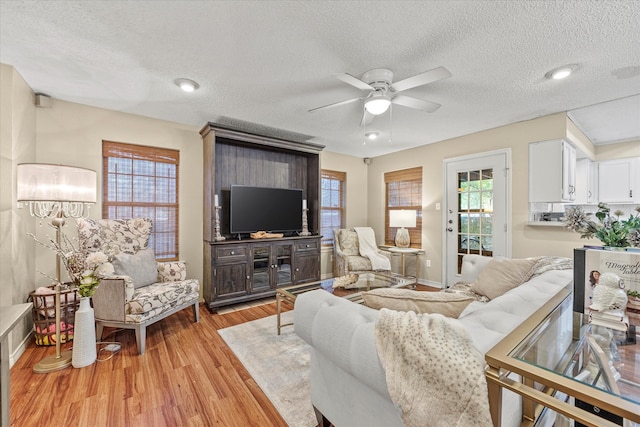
(449, 229)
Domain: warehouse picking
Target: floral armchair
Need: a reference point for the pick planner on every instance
(346, 253)
(142, 291)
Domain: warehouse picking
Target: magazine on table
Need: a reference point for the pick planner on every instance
(590, 264)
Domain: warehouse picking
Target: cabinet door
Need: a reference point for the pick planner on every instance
(261, 268)
(586, 182)
(551, 171)
(307, 268)
(568, 172)
(616, 181)
(282, 259)
(230, 280)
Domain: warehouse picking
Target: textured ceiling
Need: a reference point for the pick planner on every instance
(263, 65)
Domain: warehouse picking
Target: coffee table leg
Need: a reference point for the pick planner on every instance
(278, 303)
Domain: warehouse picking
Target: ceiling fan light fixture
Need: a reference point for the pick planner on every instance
(187, 85)
(377, 104)
(372, 135)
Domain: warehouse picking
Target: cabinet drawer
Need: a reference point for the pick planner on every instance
(310, 246)
(232, 252)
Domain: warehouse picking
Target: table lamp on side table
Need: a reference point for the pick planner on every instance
(57, 192)
(402, 219)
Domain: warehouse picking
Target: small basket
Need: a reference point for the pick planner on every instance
(44, 315)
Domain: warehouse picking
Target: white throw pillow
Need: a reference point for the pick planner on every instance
(141, 267)
(398, 299)
(501, 275)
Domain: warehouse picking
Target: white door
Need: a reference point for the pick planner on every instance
(477, 209)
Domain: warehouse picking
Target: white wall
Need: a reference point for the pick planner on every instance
(527, 241)
(356, 195)
(72, 134)
(17, 145)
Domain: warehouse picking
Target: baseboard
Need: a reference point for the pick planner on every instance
(20, 349)
(430, 283)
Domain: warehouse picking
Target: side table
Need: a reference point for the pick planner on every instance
(403, 252)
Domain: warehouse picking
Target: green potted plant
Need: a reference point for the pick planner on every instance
(610, 229)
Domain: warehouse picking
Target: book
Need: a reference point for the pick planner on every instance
(621, 325)
(613, 315)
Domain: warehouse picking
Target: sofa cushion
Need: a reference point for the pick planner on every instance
(501, 275)
(445, 303)
(349, 242)
(141, 267)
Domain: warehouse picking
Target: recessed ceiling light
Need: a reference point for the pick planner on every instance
(561, 72)
(187, 85)
(372, 135)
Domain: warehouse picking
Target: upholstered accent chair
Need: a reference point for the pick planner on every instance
(346, 253)
(142, 291)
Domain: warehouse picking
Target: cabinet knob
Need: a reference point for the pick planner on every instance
(233, 252)
(308, 246)
(297, 269)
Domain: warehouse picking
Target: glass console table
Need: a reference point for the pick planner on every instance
(568, 367)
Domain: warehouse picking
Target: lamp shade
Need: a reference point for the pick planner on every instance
(402, 218)
(377, 104)
(55, 183)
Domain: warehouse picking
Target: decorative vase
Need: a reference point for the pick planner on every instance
(84, 340)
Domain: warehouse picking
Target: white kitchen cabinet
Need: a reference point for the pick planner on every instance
(586, 182)
(618, 180)
(552, 172)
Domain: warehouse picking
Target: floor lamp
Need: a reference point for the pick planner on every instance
(57, 192)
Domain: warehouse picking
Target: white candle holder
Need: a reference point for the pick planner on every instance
(217, 237)
(305, 224)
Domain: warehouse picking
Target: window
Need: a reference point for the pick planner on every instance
(332, 214)
(141, 181)
(404, 192)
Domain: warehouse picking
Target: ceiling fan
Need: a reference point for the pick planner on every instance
(382, 92)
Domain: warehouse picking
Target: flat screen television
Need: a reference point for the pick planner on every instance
(277, 210)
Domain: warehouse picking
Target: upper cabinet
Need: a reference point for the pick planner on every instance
(618, 180)
(552, 172)
(586, 182)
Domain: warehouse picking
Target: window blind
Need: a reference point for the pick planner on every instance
(403, 190)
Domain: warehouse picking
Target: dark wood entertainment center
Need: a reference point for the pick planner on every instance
(239, 268)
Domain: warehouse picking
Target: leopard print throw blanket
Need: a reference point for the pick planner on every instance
(434, 374)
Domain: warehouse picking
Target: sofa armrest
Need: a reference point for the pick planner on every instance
(343, 332)
(172, 271)
(110, 298)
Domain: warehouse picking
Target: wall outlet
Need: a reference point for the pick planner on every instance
(428, 263)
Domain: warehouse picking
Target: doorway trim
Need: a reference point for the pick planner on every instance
(506, 152)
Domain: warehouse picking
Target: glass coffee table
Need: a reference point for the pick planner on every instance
(585, 372)
(366, 281)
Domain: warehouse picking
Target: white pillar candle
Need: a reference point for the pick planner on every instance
(215, 200)
(304, 203)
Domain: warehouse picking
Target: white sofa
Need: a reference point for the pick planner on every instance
(348, 386)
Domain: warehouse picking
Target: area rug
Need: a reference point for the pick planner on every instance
(278, 364)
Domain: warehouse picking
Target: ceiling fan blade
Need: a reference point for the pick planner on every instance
(353, 81)
(418, 104)
(421, 79)
(336, 104)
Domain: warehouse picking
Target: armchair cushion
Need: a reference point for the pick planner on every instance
(348, 242)
(172, 271)
(123, 235)
(141, 267)
(159, 297)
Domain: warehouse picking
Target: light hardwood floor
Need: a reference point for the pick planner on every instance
(188, 376)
